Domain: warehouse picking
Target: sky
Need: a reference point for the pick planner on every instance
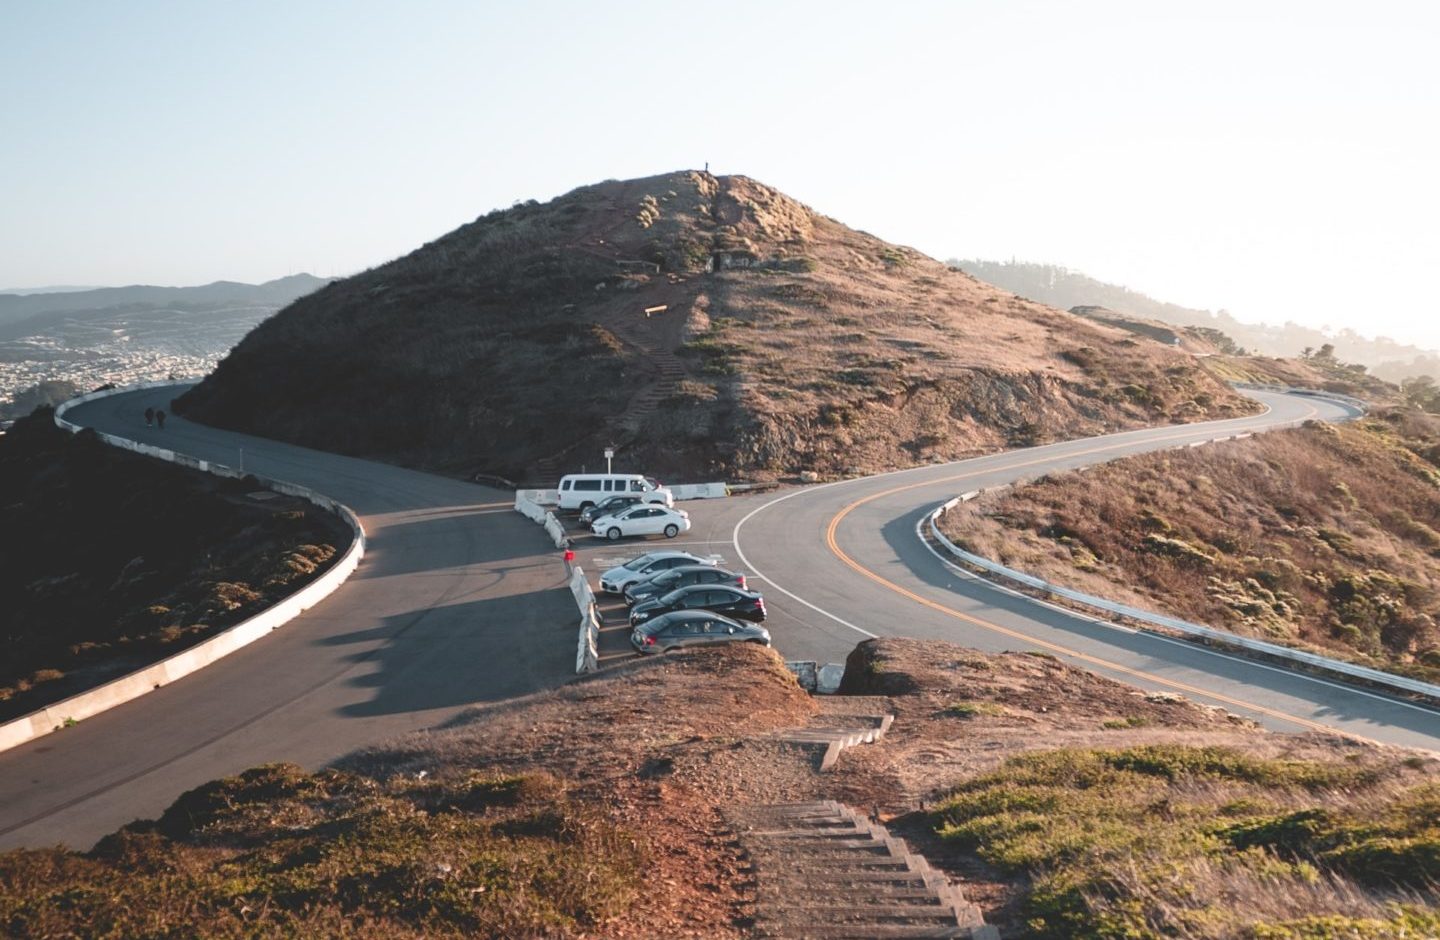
(1279, 160)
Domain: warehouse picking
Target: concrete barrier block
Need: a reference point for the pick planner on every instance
(805, 673)
(135, 684)
(827, 678)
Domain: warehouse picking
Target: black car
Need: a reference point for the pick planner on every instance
(675, 578)
(606, 506)
(694, 628)
(720, 599)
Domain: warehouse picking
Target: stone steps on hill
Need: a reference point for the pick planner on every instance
(824, 871)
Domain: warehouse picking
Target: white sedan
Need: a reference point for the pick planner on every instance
(644, 519)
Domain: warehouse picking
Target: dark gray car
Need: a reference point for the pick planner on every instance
(666, 581)
(607, 507)
(694, 628)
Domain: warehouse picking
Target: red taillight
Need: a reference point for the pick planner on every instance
(742, 582)
(649, 641)
(759, 603)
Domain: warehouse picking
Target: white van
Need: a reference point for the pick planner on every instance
(579, 490)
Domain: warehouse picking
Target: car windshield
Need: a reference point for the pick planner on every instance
(673, 596)
(667, 577)
(635, 564)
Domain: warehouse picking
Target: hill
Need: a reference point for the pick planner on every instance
(1052, 284)
(110, 561)
(706, 325)
(1325, 537)
(1064, 804)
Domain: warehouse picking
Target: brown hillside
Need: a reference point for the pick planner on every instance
(1325, 536)
(1065, 804)
(779, 340)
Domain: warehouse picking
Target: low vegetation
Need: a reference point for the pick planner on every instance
(109, 560)
(1324, 536)
(279, 852)
(1065, 804)
(775, 340)
(1193, 841)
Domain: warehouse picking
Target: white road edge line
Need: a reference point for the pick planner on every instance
(735, 540)
(1241, 423)
(919, 534)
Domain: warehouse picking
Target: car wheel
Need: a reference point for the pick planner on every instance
(613, 534)
(671, 531)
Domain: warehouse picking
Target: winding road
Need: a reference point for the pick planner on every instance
(459, 600)
(848, 562)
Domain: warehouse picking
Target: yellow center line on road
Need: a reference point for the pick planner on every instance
(835, 548)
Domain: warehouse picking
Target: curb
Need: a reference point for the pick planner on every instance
(1160, 624)
(76, 708)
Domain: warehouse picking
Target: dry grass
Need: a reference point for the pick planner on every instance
(110, 561)
(595, 810)
(1324, 537)
(515, 337)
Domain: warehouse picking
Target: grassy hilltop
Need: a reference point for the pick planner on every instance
(1325, 536)
(110, 561)
(778, 340)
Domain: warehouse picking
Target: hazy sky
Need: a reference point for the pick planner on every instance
(1282, 163)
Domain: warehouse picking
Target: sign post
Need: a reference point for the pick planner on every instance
(609, 454)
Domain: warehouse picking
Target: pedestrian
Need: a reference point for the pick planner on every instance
(160, 419)
(149, 417)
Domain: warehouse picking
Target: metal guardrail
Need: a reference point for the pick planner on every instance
(1351, 670)
(1372, 677)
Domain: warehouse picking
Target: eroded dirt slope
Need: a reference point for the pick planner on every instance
(709, 326)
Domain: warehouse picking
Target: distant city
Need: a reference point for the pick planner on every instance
(53, 341)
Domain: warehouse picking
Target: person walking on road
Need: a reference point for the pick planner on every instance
(149, 417)
(160, 419)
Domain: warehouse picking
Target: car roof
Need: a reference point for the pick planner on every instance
(696, 588)
(681, 616)
(686, 569)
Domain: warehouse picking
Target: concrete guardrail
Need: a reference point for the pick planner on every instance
(1150, 619)
(587, 655)
(132, 686)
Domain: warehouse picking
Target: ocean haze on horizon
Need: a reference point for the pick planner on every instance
(1276, 163)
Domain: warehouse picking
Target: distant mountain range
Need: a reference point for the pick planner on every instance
(21, 307)
(57, 341)
(1061, 287)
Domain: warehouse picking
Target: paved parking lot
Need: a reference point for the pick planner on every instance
(710, 536)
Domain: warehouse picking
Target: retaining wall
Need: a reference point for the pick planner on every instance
(118, 691)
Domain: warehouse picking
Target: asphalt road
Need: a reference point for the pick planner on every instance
(459, 600)
(843, 561)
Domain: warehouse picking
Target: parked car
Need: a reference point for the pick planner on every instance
(730, 601)
(694, 628)
(683, 576)
(643, 567)
(582, 490)
(645, 519)
(608, 507)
